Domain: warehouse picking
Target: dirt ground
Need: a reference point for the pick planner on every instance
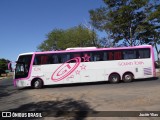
(136, 96)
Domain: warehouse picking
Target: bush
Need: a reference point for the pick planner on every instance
(2, 71)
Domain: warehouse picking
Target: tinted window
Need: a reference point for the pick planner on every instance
(51, 58)
(114, 55)
(63, 57)
(104, 55)
(144, 53)
(40, 59)
(25, 58)
(97, 56)
(129, 54)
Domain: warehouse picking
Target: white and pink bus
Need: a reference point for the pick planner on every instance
(80, 65)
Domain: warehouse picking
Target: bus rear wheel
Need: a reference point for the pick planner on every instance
(127, 77)
(114, 78)
(37, 84)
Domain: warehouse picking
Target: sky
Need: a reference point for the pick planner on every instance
(24, 24)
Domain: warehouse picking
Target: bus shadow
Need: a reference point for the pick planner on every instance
(97, 83)
(67, 108)
(76, 84)
(65, 85)
(3, 91)
(6, 89)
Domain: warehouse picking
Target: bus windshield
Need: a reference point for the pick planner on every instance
(23, 66)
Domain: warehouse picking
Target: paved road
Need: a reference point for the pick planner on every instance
(140, 95)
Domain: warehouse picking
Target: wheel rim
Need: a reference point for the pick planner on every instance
(128, 77)
(36, 84)
(114, 79)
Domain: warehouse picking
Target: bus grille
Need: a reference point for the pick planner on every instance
(147, 71)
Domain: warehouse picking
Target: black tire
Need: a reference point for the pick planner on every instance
(37, 84)
(114, 78)
(128, 77)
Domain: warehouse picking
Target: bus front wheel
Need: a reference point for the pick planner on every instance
(37, 83)
(114, 78)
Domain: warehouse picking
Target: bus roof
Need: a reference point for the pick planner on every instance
(28, 53)
(79, 49)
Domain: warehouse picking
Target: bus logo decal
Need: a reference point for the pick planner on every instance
(66, 69)
(86, 58)
(131, 63)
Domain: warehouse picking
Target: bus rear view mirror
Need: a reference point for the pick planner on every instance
(11, 66)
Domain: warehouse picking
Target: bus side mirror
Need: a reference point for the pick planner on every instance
(11, 66)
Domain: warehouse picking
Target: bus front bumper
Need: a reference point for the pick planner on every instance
(21, 83)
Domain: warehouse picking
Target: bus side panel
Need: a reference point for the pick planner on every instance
(92, 71)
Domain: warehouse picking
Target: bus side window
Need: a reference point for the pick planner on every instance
(91, 54)
(104, 56)
(50, 59)
(97, 56)
(74, 55)
(65, 57)
(110, 56)
(55, 59)
(44, 59)
(144, 53)
(117, 55)
(37, 60)
(129, 54)
(113, 55)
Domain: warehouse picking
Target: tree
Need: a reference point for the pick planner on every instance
(126, 20)
(154, 19)
(78, 36)
(52, 40)
(3, 65)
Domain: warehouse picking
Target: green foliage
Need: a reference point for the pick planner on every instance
(134, 22)
(78, 36)
(4, 64)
